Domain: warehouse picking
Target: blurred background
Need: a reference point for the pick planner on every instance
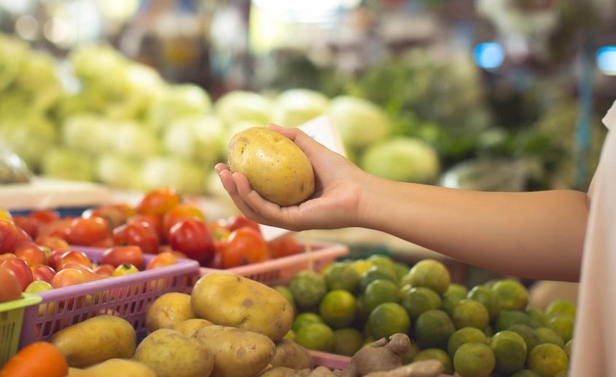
(136, 94)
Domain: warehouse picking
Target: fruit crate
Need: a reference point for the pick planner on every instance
(127, 296)
(11, 320)
(330, 360)
(280, 270)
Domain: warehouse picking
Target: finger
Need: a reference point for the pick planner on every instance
(244, 190)
(219, 167)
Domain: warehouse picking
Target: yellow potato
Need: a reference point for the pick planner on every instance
(95, 340)
(274, 165)
(114, 367)
(231, 300)
(168, 310)
(191, 326)
(237, 352)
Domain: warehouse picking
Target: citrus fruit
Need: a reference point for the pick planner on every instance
(374, 273)
(474, 360)
(431, 274)
(414, 349)
(316, 336)
(420, 299)
(304, 319)
(436, 354)
(509, 350)
(338, 308)
(347, 341)
(378, 292)
(361, 266)
(513, 295)
(433, 329)
(382, 260)
(387, 319)
(401, 269)
(463, 336)
(489, 298)
(547, 359)
(403, 290)
(525, 373)
(563, 326)
(508, 318)
(453, 295)
(342, 276)
(538, 316)
(561, 307)
(290, 335)
(562, 373)
(547, 335)
(530, 336)
(286, 292)
(470, 313)
(308, 289)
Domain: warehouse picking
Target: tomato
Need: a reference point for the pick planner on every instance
(42, 272)
(21, 269)
(29, 224)
(22, 236)
(245, 246)
(125, 269)
(73, 256)
(180, 212)
(4, 214)
(8, 235)
(158, 201)
(38, 359)
(283, 247)
(113, 216)
(103, 243)
(86, 231)
(68, 277)
(53, 243)
(7, 256)
(104, 270)
(153, 221)
(126, 209)
(31, 253)
(54, 258)
(89, 273)
(192, 237)
(56, 228)
(118, 255)
(44, 216)
(163, 259)
(139, 234)
(11, 286)
(240, 221)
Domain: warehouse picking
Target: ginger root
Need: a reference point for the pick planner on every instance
(382, 355)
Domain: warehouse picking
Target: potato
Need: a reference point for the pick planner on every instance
(231, 300)
(237, 352)
(278, 372)
(191, 326)
(171, 354)
(168, 310)
(291, 355)
(274, 165)
(95, 340)
(114, 367)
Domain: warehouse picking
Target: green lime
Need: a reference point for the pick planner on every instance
(470, 313)
(420, 299)
(457, 290)
(463, 336)
(286, 292)
(308, 288)
(304, 319)
(342, 276)
(290, 335)
(361, 266)
(547, 335)
(374, 273)
(347, 341)
(513, 295)
(383, 261)
(338, 308)
(547, 359)
(563, 326)
(433, 329)
(489, 298)
(510, 351)
(525, 373)
(316, 336)
(388, 319)
(538, 316)
(414, 349)
(474, 360)
(508, 318)
(530, 336)
(436, 354)
(453, 295)
(431, 274)
(378, 292)
(403, 290)
(561, 307)
(401, 269)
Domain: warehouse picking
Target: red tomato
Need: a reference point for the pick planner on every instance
(36, 360)
(44, 216)
(125, 208)
(53, 243)
(245, 246)
(158, 201)
(139, 234)
(283, 247)
(86, 231)
(103, 243)
(68, 277)
(163, 259)
(22, 236)
(104, 270)
(11, 286)
(89, 273)
(73, 256)
(21, 269)
(180, 212)
(124, 269)
(219, 229)
(192, 237)
(8, 235)
(56, 228)
(153, 221)
(240, 222)
(31, 253)
(118, 255)
(42, 272)
(29, 224)
(113, 216)
(7, 256)
(54, 258)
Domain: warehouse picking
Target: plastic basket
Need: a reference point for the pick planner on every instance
(11, 318)
(280, 270)
(126, 296)
(330, 360)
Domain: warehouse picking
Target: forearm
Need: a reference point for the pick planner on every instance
(536, 235)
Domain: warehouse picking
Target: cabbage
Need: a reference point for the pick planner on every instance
(119, 171)
(89, 132)
(359, 121)
(97, 62)
(198, 138)
(171, 171)
(69, 164)
(297, 106)
(403, 159)
(238, 105)
(135, 140)
(177, 101)
(37, 71)
(29, 137)
(13, 53)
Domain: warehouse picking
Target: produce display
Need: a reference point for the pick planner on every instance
(474, 332)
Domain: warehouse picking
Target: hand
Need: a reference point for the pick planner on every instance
(334, 204)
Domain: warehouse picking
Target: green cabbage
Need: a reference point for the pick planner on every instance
(135, 140)
(30, 137)
(184, 175)
(177, 101)
(119, 171)
(297, 106)
(69, 164)
(238, 105)
(89, 132)
(13, 53)
(198, 138)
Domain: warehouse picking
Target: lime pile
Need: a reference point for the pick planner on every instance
(485, 330)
